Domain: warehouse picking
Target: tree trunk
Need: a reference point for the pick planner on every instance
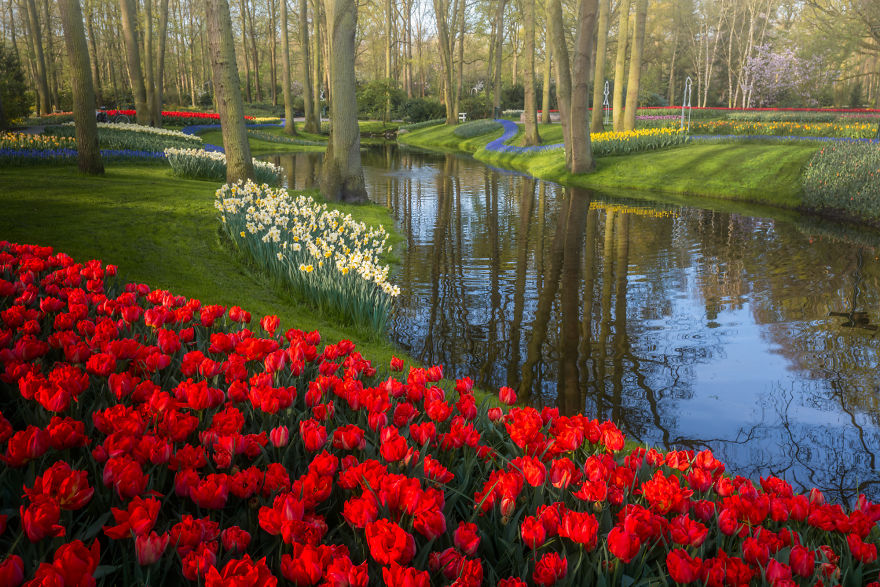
(389, 15)
(50, 59)
(227, 92)
(581, 151)
(407, 67)
(342, 175)
(192, 56)
(459, 76)
(531, 100)
(133, 54)
(160, 64)
(548, 59)
(441, 13)
(635, 66)
(563, 76)
(289, 126)
(620, 66)
(93, 53)
(499, 39)
(88, 152)
(244, 50)
(39, 58)
(273, 54)
(254, 53)
(149, 61)
(311, 123)
(596, 124)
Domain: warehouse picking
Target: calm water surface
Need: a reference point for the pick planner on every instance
(691, 328)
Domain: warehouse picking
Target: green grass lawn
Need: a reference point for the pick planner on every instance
(753, 172)
(160, 230)
(261, 147)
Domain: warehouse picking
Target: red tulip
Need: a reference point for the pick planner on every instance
(235, 539)
(12, 571)
(304, 567)
(533, 532)
(389, 543)
(550, 569)
(396, 364)
(241, 573)
(41, 519)
(76, 563)
(682, 568)
(150, 547)
(280, 436)
(405, 576)
(802, 561)
(623, 544)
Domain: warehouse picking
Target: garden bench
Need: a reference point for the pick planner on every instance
(462, 116)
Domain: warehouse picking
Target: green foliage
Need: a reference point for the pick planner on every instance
(476, 105)
(513, 97)
(417, 110)
(845, 177)
(372, 96)
(13, 90)
(477, 128)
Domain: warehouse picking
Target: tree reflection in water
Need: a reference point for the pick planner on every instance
(691, 328)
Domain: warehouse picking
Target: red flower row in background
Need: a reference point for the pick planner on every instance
(148, 436)
(177, 116)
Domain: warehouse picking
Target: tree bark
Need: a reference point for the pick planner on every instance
(548, 58)
(342, 175)
(244, 50)
(389, 15)
(620, 66)
(596, 124)
(88, 152)
(273, 54)
(563, 76)
(227, 92)
(581, 151)
(93, 53)
(531, 100)
(311, 123)
(289, 126)
(133, 54)
(39, 58)
(254, 53)
(50, 59)
(459, 75)
(635, 66)
(499, 39)
(160, 64)
(441, 13)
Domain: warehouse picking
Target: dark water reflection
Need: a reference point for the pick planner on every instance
(691, 328)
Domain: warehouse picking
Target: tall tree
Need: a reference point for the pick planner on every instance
(149, 61)
(88, 152)
(499, 39)
(635, 66)
(620, 65)
(599, 76)
(227, 92)
(531, 100)
(133, 54)
(572, 84)
(159, 87)
(342, 174)
(444, 38)
(37, 41)
(389, 18)
(548, 54)
(289, 126)
(311, 123)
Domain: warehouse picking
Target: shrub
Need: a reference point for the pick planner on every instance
(371, 98)
(328, 259)
(469, 130)
(845, 177)
(476, 106)
(13, 89)
(416, 110)
(198, 164)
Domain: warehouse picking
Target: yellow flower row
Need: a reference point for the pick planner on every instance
(20, 140)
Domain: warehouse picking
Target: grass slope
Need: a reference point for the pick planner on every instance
(160, 230)
(261, 147)
(754, 172)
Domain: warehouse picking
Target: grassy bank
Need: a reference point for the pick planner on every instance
(761, 173)
(261, 147)
(160, 230)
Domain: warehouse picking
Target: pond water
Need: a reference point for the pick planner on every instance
(695, 328)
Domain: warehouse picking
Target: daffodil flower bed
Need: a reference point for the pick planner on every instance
(850, 130)
(148, 438)
(20, 140)
(133, 136)
(325, 257)
(199, 164)
(634, 141)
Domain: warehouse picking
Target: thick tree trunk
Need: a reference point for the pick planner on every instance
(581, 150)
(133, 54)
(620, 65)
(531, 100)
(311, 122)
(227, 92)
(635, 66)
(499, 39)
(289, 126)
(342, 175)
(563, 75)
(88, 152)
(596, 124)
(39, 58)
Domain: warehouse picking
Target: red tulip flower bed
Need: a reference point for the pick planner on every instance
(182, 118)
(148, 438)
